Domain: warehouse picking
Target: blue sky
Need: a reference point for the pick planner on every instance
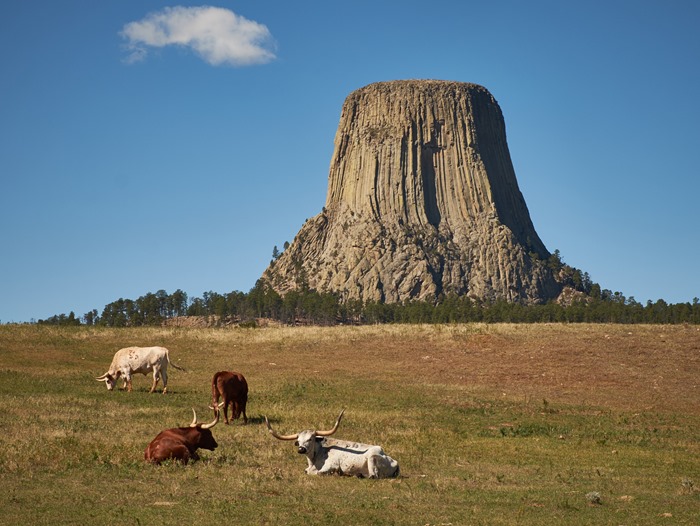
(145, 148)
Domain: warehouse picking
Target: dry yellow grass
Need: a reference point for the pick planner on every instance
(492, 424)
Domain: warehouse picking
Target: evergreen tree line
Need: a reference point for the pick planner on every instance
(316, 308)
(589, 304)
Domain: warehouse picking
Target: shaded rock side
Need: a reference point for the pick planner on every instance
(422, 200)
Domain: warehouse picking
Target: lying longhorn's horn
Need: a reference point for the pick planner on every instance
(213, 423)
(280, 437)
(194, 418)
(335, 427)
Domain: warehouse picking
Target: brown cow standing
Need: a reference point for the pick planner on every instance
(181, 443)
(233, 389)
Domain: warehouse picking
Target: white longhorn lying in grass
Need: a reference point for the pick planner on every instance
(328, 456)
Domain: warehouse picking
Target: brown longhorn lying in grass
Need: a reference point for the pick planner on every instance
(327, 456)
(181, 443)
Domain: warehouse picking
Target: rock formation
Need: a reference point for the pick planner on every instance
(422, 201)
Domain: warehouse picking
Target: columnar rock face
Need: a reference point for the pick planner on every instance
(422, 201)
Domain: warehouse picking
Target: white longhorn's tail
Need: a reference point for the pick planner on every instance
(167, 354)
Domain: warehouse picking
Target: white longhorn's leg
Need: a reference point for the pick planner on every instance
(123, 377)
(155, 380)
(127, 381)
(311, 469)
(372, 467)
(164, 377)
(325, 470)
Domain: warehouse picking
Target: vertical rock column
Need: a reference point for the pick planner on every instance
(422, 200)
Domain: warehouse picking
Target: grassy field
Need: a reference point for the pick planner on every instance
(491, 424)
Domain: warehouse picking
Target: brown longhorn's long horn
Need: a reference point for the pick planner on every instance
(335, 427)
(194, 419)
(213, 423)
(280, 437)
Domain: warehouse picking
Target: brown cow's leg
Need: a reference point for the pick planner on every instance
(240, 409)
(179, 452)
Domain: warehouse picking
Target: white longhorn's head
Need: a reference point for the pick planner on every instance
(107, 379)
(305, 440)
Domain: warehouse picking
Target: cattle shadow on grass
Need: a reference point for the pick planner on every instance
(252, 420)
(256, 420)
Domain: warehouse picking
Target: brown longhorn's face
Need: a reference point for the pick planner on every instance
(207, 440)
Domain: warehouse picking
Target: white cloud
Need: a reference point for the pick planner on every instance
(219, 36)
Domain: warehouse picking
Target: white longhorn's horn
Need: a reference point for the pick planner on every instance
(278, 436)
(101, 378)
(335, 427)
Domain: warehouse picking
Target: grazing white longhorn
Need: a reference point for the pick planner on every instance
(328, 456)
(142, 360)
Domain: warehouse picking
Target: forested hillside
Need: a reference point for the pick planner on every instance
(311, 307)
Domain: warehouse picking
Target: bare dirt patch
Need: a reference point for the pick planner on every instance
(611, 366)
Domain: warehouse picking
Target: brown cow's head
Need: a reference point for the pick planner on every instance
(206, 439)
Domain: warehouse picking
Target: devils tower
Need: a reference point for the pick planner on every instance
(422, 201)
